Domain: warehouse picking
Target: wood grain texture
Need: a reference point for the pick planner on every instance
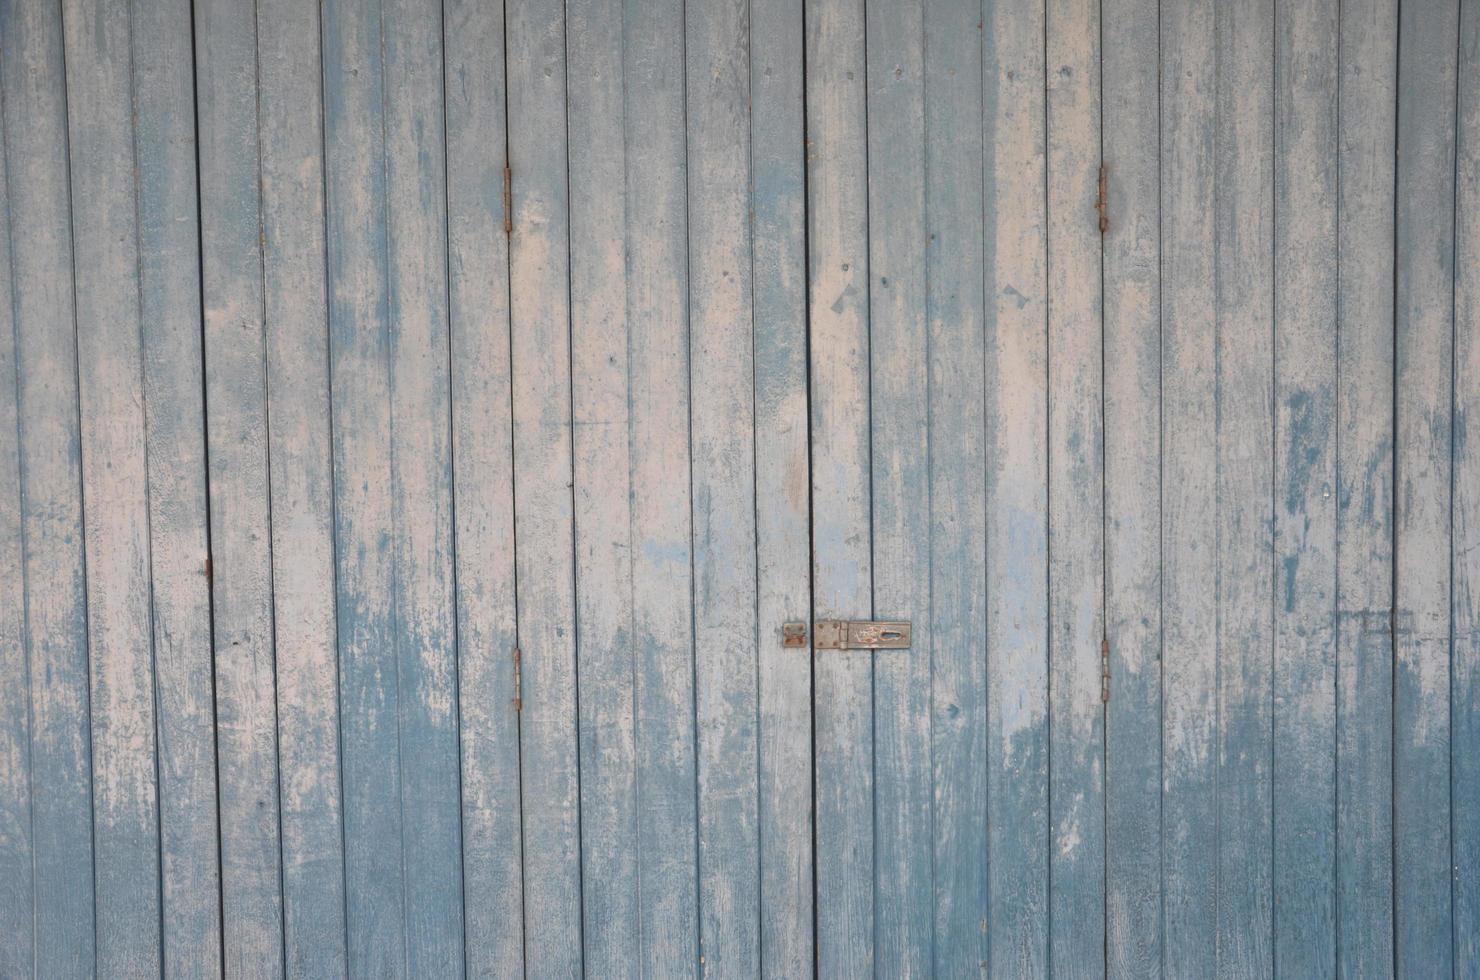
(1424, 489)
(103, 161)
(1190, 507)
(17, 875)
(539, 277)
(1364, 516)
(240, 488)
(1076, 573)
(1131, 119)
(397, 552)
(300, 459)
(722, 427)
(663, 586)
(1244, 532)
(899, 392)
(483, 483)
(782, 482)
(1305, 465)
(33, 89)
(421, 545)
(359, 345)
(842, 577)
(1465, 719)
(603, 488)
(955, 321)
(170, 292)
(1015, 275)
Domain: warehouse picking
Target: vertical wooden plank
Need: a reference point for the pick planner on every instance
(1424, 484)
(1076, 572)
(543, 515)
(1190, 507)
(1465, 767)
(1305, 357)
(164, 117)
(782, 481)
(603, 487)
(240, 487)
(1132, 255)
(482, 460)
(904, 878)
(17, 876)
(837, 216)
(955, 366)
(33, 88)
(1014, 86)
(300, 458)
(722, 386)
(1368, 58)
(115, 484)
(421, 486)
(662, 524)
(1243, 275)
(359, 344)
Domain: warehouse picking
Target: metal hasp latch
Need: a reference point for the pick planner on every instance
(842, 634)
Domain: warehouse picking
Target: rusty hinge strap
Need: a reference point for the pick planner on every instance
(518, 682)
(1105, 669)
(508, 200)
(1102, 202)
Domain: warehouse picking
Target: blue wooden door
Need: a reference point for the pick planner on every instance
(433, 432)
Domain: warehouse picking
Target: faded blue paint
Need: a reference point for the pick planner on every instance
(614, 439)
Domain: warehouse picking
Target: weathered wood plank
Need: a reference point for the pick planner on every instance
(359, 346)
(1243, 277)
(955, 374)
(662, 523)
(1015, 273)
(1190, 507)
(837, 216)
(1465, 765)
(482, 460)
(1423, 485)
(165, 121)
(115, 485)
(1133, 519)
(40, 241)
(1364, 517)
(543, 515)
(1305, 357)
(722, 420)
(782, 480)
(904, 879)
(603, 487)
(300, 459)
(1076, 574)
(17, 875)
(421, 486)
(240, 487)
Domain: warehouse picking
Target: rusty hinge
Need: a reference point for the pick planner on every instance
(518, 682)
(1105, 670)
(508, 200)
(842, 634)
(209, 577)
(1102, 202)
(793, 634)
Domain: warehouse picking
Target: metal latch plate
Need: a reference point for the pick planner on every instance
(843, 634)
